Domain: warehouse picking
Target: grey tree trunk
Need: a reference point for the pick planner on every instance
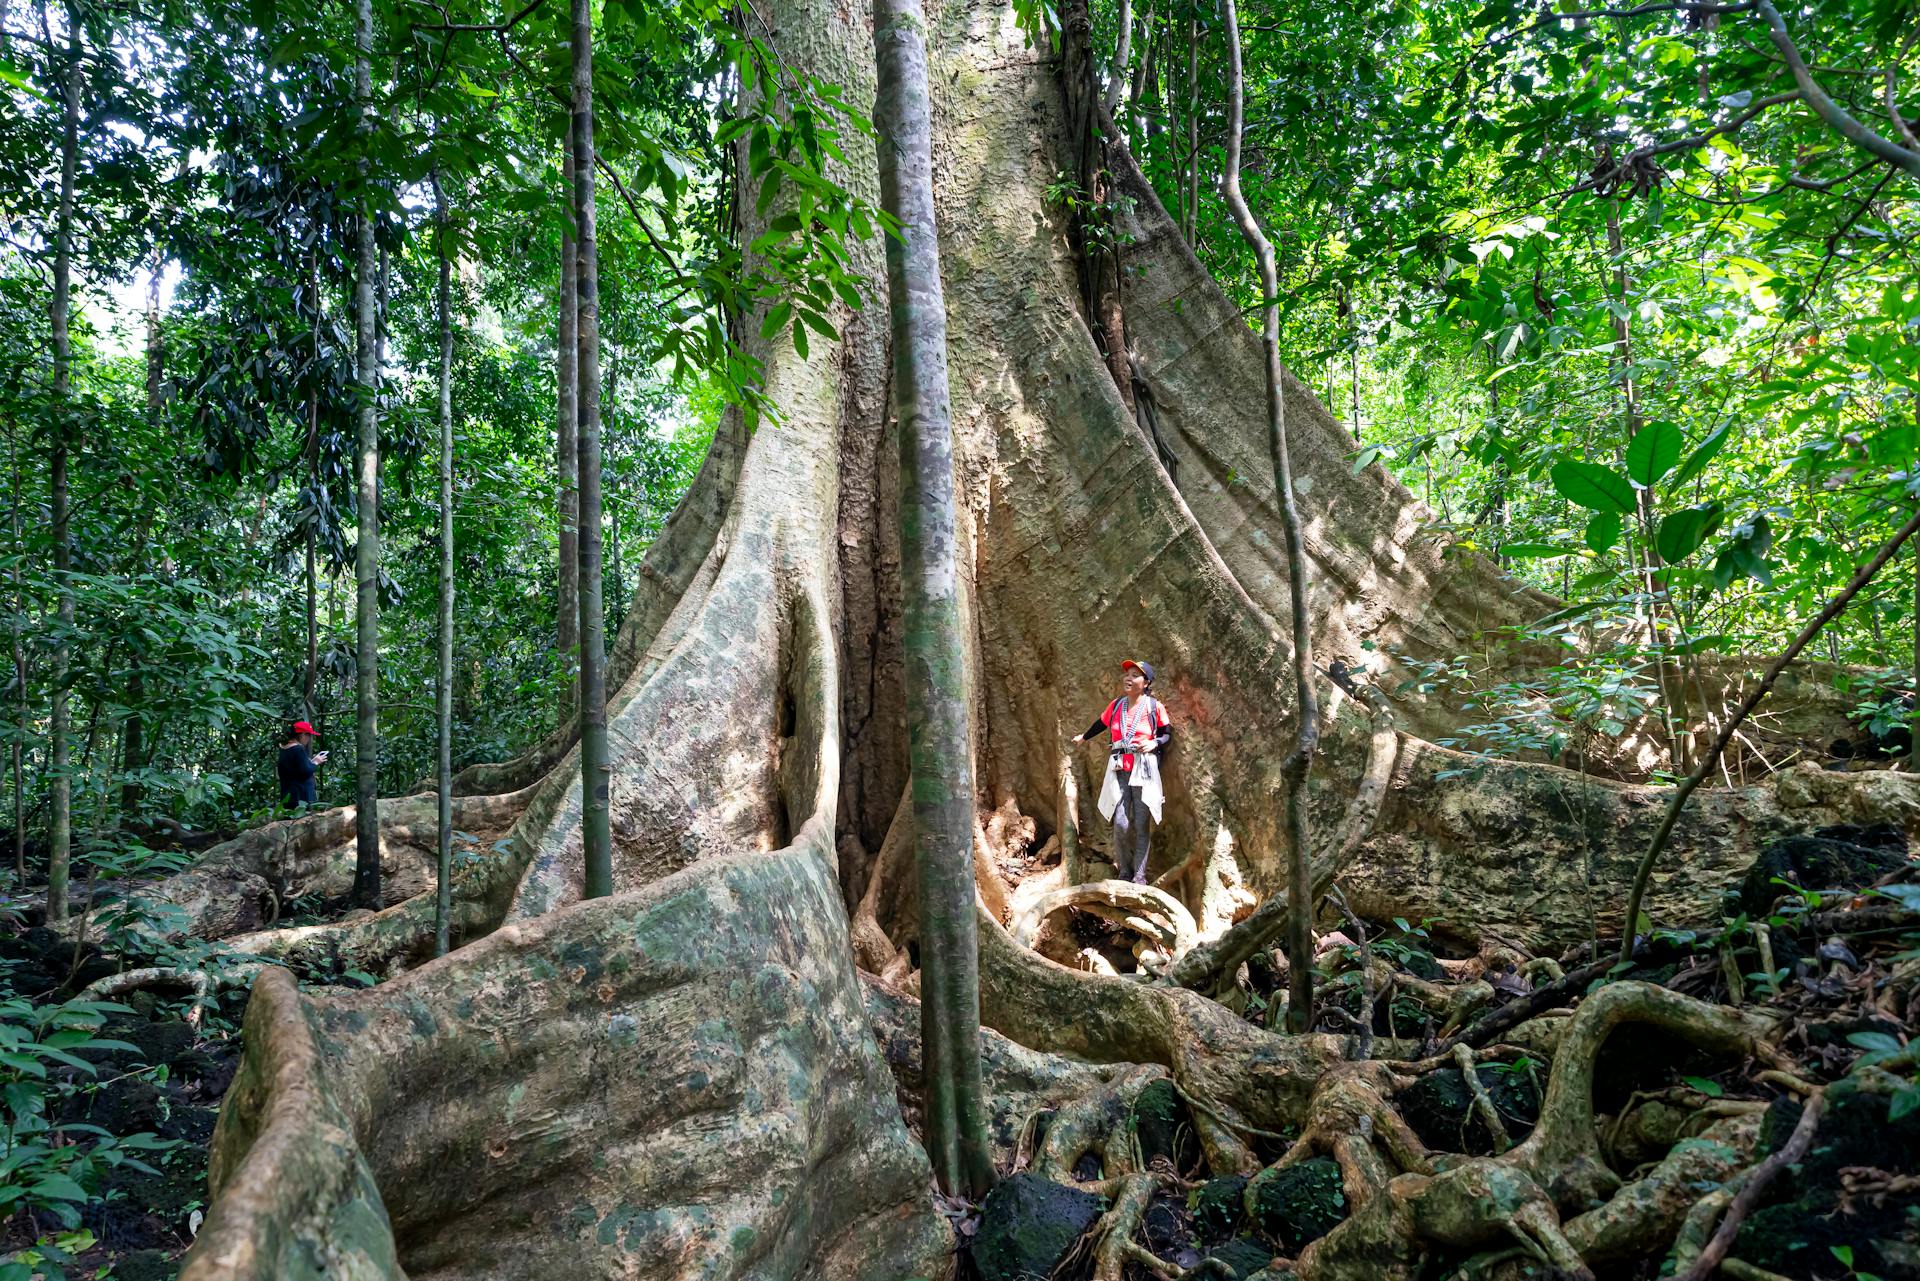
(938, 728)
(1306, 709)
(60, 825)
(311, 676)
(366, 554)
(21, 706)
(596, 772)
(443, 676)
(567, 445)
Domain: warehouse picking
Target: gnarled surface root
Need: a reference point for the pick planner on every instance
(597, 1092)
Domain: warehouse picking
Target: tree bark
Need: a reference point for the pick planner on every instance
(938, 721)
(596, 773)
(443, 674)
(311, 677)
(567, 442)
(22, 705)
(59, 731)
(1306, 707)
(366, 555)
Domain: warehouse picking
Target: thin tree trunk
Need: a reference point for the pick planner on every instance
(60, 826)
(312, 452)
(1300, 761)
(443, 682)
(1834, 609)
(567, 444)
(1190, 203)
(936, 680)
(1117, 81)
(366, 555)
(596, 770)
(23, 707)
(133, 738)
(613, 559)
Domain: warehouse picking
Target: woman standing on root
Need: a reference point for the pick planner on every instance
(296, 766)
(1137, 729)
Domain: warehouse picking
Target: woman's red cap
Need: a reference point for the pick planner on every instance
(301, 727)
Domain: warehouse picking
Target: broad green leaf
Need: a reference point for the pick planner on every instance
(1603, 532)
(1535, 551)
(1681, 533)
(1652, 452)
(1592, 486)
(1702, 455)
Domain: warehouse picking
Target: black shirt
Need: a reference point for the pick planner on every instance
(296, 769)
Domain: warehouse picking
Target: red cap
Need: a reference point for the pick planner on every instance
(301, 727)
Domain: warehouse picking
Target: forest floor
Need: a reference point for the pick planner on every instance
(1823, 943)
(1823, 940)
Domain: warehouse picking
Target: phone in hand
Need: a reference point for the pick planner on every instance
(320, 759)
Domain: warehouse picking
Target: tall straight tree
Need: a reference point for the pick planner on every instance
(443, 675)
(22, 709)
(567, 436)
(366, 552)
(1299, 762)
(939, 735)
(59, 732)
(596, 771)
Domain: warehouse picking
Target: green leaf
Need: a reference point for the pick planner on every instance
(1702, 455)
(1709, 1088)
(1603, 532)
(56, 1187)
(1681, 533)
(1592, 486)
(1535, 551)
(1652, 452)
(1874, 1042)
(1904, 1103)
(776, 319)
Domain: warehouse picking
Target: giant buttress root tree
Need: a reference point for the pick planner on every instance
(678, 1079)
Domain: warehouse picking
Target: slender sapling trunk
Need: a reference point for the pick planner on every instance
(60, 825)
(1307, 729)
(567, 441)
(366, 556)
(443, 676)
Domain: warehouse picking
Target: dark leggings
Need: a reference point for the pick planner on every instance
(1132, 835)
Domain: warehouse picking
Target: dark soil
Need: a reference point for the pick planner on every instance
(1027, 1226)
(1439, 1107)
(1808, 1212)
(168, 1084)
(1830, 858)
(1300, 1203)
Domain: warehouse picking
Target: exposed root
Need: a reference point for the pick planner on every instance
(1746, 1194)
(1482, 1101)
(201, 983)
(1156, 915)
(1095, 1123)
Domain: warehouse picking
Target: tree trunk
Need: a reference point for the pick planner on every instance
(311, 676)
(59, 731)
(567, 442)
(938, 724)
(22, 705)
(678, 1079)
(443, 674)
(596, 773)
(1306, 710)
(366, 554)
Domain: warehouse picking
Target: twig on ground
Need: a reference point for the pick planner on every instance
(1752, 1186)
